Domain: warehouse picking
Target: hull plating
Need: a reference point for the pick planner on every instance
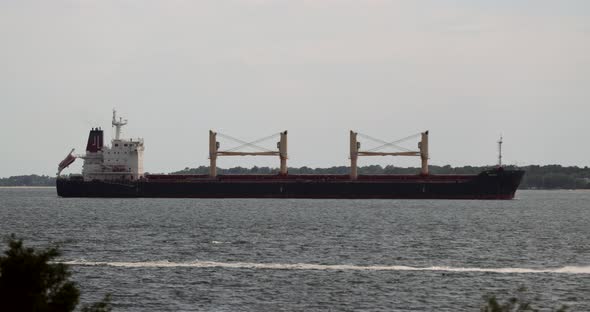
(493, 184)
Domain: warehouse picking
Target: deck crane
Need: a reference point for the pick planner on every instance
(215, 152)
(355, 150)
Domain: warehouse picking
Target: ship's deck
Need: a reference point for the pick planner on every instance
(309, 177)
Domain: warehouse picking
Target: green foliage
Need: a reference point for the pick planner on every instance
(102, 306)
(536, 177)
(30, 280)
(28, 180)
(556, 177)
(513, 304)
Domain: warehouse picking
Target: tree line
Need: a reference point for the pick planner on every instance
(28, 180)
(536, 177)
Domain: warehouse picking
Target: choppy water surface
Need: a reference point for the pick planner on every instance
(285, 255)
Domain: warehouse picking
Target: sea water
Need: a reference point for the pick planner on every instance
(306, 255)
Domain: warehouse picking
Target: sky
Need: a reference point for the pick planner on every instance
(468, 71)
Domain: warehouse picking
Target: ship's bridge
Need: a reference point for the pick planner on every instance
(123, 160)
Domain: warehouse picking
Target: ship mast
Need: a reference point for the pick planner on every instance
(500, 152)
(118, 124)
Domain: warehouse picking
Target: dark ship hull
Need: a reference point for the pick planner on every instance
(491, 184)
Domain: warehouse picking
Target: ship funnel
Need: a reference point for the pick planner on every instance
(95, 141)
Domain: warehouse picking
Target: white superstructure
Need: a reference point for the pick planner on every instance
(123, 160)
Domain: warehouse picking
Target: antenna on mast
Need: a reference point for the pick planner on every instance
(500, 151)
(118, 124)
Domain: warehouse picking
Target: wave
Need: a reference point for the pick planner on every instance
(324, 267)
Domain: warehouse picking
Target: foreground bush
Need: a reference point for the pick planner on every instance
(31, 281)
(513, 304)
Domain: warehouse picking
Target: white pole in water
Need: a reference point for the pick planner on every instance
(500, 152)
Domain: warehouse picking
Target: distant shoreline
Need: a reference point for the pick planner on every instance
(546, 177)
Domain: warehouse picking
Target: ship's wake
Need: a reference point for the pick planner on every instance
(324, 267)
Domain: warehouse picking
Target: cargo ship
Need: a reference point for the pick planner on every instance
(117, 171)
